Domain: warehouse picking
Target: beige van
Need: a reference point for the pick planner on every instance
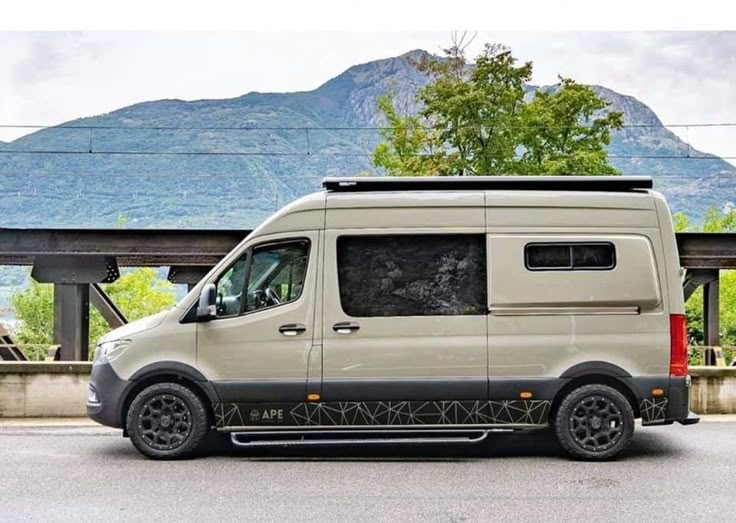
(386, 310)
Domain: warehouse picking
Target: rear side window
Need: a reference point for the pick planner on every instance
(412, 275)
(569, 256)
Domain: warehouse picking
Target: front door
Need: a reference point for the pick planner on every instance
(404, 328)
(257, 350)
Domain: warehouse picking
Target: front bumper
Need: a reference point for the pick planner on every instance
(110, 391)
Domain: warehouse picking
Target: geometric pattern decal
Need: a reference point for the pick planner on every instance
(653, 410)
(383, 413)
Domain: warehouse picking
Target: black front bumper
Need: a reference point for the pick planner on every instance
(111, 392)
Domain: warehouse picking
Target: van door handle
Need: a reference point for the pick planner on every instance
(292, 329)
(345, 327)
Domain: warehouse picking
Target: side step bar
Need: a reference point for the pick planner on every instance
(346, 437)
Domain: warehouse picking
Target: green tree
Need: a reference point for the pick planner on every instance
(715, 221)
(34, 308)
(476, 119)
(680, 221)
(563, 135)
(477, 110)
(410, 144)
(727, 311)
(137, 293)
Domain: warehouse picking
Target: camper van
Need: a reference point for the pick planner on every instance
(418, 310)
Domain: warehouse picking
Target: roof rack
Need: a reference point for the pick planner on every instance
(488, 183)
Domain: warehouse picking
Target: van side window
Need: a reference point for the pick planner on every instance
(276, 274)
(569, 256)
(412, 275)
(230, 288)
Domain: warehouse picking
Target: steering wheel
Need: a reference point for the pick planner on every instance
(272, 296)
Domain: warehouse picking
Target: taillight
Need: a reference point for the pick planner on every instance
(678, 345)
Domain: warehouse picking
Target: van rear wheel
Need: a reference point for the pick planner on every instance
(594, 422)
(167, 421)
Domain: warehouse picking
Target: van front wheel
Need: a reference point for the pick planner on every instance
(167, 421)
(594, 422)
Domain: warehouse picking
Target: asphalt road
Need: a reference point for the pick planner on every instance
(79, 474)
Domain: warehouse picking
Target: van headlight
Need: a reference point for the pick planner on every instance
(109, 350)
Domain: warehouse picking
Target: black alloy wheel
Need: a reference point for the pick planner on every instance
(594, 422)
(167, 421)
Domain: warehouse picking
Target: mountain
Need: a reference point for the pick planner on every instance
(169, 178)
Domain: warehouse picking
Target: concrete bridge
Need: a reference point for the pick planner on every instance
(76, 261)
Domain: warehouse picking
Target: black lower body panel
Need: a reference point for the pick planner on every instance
(420, 403)
(383, 413)
(675, 406)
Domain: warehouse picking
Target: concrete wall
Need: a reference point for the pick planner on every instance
(38, 389)
(714, 390)
(59, 389)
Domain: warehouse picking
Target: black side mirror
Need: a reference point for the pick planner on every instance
(207, 306)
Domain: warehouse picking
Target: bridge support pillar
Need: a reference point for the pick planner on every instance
(71, 320)
(711, 320)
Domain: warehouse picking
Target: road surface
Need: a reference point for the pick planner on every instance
(91, 473)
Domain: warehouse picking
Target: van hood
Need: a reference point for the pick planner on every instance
(129, 329)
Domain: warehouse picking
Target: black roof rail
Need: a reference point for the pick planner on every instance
(488, 183)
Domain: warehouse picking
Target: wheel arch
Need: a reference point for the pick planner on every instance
(596, 373)
(175, 372)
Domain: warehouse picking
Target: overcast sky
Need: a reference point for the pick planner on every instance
(48, 78)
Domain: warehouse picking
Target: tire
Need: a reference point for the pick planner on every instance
(167, 421)
(594, 422)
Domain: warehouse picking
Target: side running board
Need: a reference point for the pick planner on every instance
(347, 437)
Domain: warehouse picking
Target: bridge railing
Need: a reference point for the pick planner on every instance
(712, 355)
(698, 355)
(29, 352)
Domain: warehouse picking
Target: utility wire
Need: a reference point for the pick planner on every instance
(317, 154)
(240, 175)
(319, 128)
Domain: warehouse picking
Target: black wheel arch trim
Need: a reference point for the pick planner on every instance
(168, 367)
(595, 367)
(178, 369)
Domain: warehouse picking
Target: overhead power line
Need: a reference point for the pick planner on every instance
(306, 127)
(318, 154)
(305, 143)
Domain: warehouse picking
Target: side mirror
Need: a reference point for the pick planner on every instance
(207, 306)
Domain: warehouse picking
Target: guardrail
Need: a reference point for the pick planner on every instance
(714, 356)
(29, 352)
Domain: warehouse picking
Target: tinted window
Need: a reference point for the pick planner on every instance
(276, 275)
(569, 256)
(593, 256)
(412, 275)
(230, 289)
(548, 256)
